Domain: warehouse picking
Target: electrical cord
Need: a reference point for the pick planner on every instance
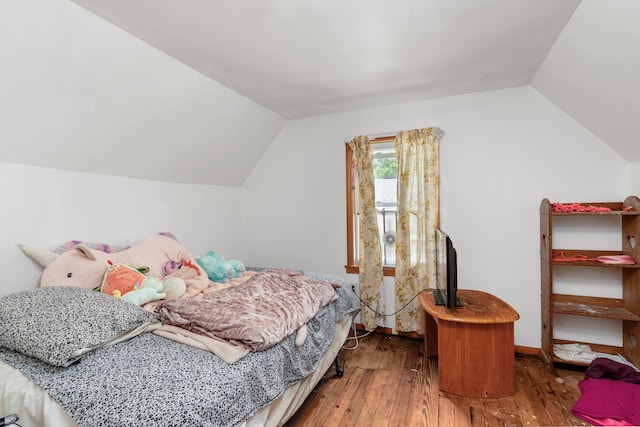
(353, 325)
(355, 337)
(382, 314)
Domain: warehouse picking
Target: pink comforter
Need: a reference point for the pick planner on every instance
(256, 314)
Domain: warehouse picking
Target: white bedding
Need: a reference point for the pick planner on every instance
(35, 408)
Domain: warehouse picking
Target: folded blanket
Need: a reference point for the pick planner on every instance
(228, 352)
(610, 394)
(608, 402)
(254, 315)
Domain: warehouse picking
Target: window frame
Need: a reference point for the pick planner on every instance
(352, 267)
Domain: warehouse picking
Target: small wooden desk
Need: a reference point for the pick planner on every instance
(474, 344)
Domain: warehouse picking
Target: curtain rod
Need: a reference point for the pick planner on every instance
(439, 133)
(372, 136)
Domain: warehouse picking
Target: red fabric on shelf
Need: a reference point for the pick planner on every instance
(577, 207)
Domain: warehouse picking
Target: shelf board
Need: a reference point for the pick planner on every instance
(608, 308)
(610, 213)
(595, 264)
(600, 348)
(591, 258)
(628, 207)
(568, 362)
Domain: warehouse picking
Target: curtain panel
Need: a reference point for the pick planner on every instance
(418, 216)
(370, 262)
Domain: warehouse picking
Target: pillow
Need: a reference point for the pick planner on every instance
(59, 324)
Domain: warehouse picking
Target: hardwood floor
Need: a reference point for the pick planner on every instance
(389, 382)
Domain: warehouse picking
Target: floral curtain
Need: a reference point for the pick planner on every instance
(370, 263)
(418, 215)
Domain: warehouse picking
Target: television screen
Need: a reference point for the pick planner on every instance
(446, 271)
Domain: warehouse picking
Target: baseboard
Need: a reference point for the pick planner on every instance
(527, 351)
(518, 349)
(379, 329)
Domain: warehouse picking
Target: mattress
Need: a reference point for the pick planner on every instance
(19, 394)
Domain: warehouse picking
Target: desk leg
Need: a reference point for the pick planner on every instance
(430, 336)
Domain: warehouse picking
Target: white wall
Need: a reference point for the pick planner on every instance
(46, 207)
(503, 151)
(635, 178)
(78, 93)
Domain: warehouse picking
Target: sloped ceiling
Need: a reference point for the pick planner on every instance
(303, 58)
(593, 72)
(315, 57)
(279, 59)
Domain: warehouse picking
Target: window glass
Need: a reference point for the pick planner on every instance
(385, 173)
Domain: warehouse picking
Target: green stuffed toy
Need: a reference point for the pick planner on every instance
(238, 268)
(152, 290)
(218, 269)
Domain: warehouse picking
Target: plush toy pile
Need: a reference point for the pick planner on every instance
(161, 257)
(132, 285)
(159, 268)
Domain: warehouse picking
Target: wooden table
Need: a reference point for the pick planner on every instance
(474, 344)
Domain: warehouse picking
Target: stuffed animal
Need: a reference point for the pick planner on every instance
(171, 267)
(174, 287)
(84, 267)
(132, 285)
(216, 268)
(151, 290)
(104, 247)
(238, 268)
(120, 279)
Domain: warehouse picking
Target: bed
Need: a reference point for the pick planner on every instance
(134, 375)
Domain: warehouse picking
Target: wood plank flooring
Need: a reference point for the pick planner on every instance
(389, 382)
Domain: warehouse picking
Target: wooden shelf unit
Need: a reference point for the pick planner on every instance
(626, 309)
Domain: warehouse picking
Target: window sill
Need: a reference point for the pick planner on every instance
(386, 271)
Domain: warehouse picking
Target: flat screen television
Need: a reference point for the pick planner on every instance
(446, 272)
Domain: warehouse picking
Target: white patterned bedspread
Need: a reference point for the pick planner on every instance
(153, 381)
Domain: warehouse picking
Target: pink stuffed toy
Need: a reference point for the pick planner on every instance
(84, 267)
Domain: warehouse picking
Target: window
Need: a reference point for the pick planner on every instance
(413, 211)
(385, 171)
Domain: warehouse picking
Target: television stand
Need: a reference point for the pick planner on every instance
(474, 344)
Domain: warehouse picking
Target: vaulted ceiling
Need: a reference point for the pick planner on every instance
(302, 58)
(322, 56)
